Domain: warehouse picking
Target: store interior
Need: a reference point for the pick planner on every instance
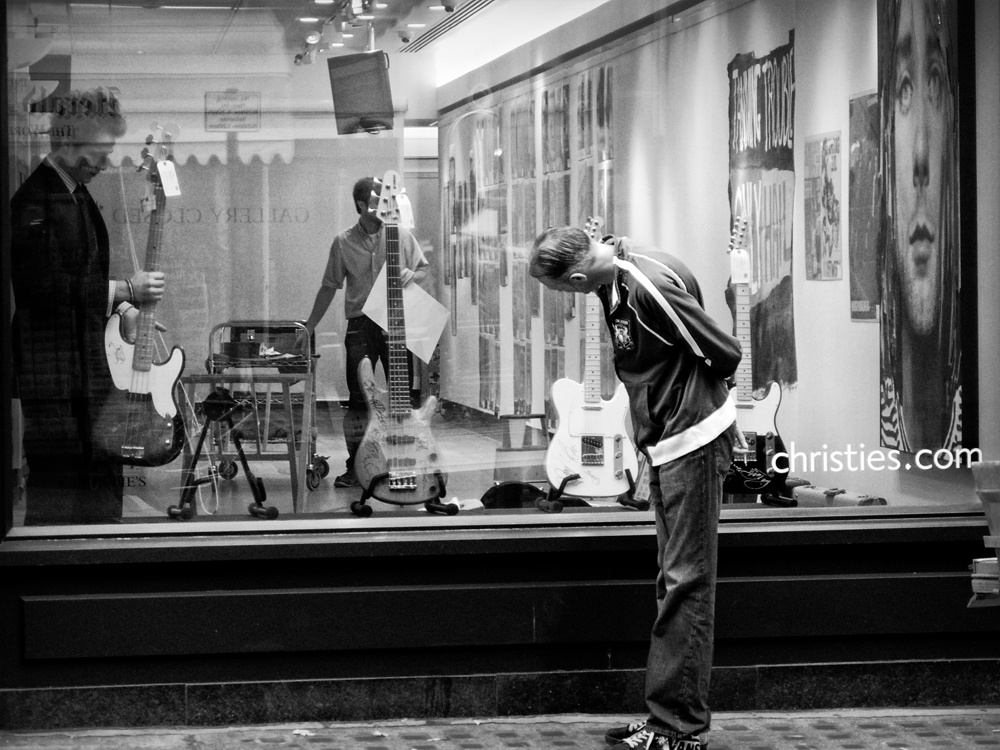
(507, 117)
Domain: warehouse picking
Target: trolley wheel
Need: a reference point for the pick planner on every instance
(359, 508)
(313, 477)
(184, 514)
(324, 467)
(263, 511)
(228, 469)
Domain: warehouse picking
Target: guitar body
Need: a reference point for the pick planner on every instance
(591, 441)
(398, 452)
(754, 473)
(140, 423)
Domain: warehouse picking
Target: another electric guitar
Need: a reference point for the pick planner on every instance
(397, 461)
(752, 471)
(140, 424)
(591, 440)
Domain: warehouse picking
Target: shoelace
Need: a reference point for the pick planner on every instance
(643, 738)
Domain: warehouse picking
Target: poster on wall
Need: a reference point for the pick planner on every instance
(928, 394)
(863, 206)
(761, 188)
(821, 188)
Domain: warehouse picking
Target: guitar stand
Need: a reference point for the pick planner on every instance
(361, 508)
(628, 499)
(219, 407)
(552, 503)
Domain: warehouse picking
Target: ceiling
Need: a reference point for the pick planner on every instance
(452, 31)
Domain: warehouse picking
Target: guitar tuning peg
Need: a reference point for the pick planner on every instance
(150, 139)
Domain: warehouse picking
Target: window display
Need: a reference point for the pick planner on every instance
(239, 298)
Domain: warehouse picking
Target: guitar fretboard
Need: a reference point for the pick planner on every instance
(145, 343)
(592, 350)
(744, 372)
(399, 372)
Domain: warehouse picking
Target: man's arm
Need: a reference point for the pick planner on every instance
(681, 315)
(324, 297)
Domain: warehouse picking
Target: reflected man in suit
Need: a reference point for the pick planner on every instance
(63, 297)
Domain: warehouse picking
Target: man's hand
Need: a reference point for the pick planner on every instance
(147, 286)
(405, 276)
(302, 339)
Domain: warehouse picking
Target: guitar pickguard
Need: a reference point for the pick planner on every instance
(591, 441)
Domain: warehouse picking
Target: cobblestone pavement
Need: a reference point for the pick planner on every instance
(881, 729)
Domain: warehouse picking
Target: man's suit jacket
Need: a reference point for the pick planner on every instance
(59, 270)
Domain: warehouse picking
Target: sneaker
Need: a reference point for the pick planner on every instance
(646, 739)
(347, 479)
(616, 735)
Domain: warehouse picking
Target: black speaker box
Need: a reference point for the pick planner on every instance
(362, 101)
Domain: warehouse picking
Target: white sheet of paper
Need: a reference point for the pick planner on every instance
(425, 317)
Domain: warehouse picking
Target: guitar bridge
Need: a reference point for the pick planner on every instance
(401, 477)
(592, 450)
(133, 452)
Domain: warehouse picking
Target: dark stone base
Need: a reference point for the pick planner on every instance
(770, 688)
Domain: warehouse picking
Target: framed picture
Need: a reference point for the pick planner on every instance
(927, 250)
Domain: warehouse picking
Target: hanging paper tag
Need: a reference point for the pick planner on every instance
(168, 178)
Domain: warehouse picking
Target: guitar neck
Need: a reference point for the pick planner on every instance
(145, 343)
(744, 372)
(399, 371)
(592, 350)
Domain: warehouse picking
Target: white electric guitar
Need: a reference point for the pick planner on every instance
(140, 423)
(752, 471)
(591, 439)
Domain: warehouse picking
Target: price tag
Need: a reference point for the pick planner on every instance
(168, 178)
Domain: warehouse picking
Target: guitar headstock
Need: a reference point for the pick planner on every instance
(157, 160)
(739, 257)
(393, 203)
(593, 227)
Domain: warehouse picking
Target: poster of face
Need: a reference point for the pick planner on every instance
(822, 208)
(920, 251)
(762, 189)
(863, 206)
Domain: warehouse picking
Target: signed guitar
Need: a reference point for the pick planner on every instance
(397, 461)
(591, 439)
(752, 471)
(140, 425)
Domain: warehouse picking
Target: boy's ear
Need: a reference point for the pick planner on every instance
(577, 278)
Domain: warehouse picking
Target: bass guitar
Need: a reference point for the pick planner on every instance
(591, 440)
(397, 461)
(752, 471)
(141, 425)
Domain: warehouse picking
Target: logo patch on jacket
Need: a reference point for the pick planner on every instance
(623, 336)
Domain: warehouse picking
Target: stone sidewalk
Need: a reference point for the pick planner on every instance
(895, 729)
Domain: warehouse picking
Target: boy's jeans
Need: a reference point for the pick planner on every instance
(686, 495)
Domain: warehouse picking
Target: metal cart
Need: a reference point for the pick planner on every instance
(248, 361)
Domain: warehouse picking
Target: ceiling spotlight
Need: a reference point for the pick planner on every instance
(313, 37)
(308, 19)
(416, 25)
(323, 2)
(404, 36)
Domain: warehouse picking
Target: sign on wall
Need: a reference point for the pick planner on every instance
(228, 111)
(762, 188)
